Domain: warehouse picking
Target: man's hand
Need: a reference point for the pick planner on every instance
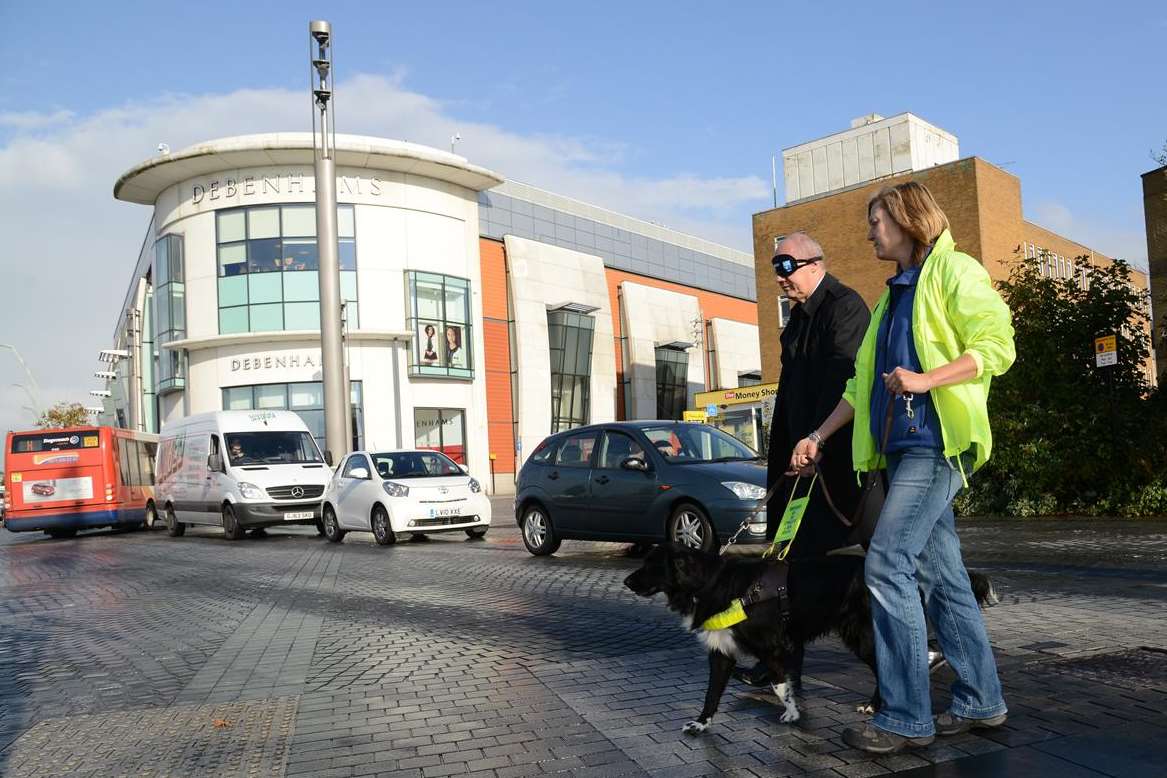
(806, 453)
(901, 381)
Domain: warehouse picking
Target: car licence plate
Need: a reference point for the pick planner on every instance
(436, 513)
(298, 515)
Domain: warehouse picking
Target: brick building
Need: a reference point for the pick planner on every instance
(982, 202)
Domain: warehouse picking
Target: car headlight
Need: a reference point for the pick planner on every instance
(250, 491)
(395, 489)
(745, 491)
(475, 487)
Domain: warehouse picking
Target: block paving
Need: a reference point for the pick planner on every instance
(137, 654)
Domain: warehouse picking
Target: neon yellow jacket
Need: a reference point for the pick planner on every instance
(957, 311)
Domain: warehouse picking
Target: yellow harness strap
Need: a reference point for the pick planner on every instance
(734, 614)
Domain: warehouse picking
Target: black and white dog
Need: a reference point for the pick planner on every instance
(826, 594)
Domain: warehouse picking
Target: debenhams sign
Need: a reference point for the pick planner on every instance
(268, 362)
(285, 184)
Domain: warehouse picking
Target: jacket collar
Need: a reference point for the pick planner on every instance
(828, 286)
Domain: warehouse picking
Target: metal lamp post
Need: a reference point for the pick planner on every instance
(336, 392)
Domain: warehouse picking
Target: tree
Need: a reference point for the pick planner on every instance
(1161, 156)
(64, 414)
(1070, 436)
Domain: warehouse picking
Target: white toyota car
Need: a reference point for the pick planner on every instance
(394, 492)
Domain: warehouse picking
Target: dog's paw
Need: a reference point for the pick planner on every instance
(867, 708)
(694, 728)
(790, 716)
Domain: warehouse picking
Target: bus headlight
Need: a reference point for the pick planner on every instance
(250, 491)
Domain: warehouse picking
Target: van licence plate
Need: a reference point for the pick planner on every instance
(298, 515)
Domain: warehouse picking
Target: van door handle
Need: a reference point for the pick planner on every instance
(603, 479)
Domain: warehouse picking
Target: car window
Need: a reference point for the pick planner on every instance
(615, 448)
(543, 451)
(416, 464)
(684, 443)
(353, 463)
(576, 450)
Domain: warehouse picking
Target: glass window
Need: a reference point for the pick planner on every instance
(543, 451)
(277, 248)
(301, 316)
(356, 462)
(615, 448)
(169, 315)
(306, 399)
(576, 450)
(238, 398)
(696, 443)
(263, 223)
(441, 429)
(570, 340)
(672, 382)
(439, 312)
(231, 226)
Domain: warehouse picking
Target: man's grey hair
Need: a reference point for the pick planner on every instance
(801, 244)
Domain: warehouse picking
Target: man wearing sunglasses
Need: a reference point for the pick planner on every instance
(827, 322)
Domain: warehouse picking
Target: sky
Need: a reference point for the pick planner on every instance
(668, 111)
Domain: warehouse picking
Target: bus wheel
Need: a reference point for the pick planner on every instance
(61, 533)
(174, 527)
(151, 516)
(231, 526)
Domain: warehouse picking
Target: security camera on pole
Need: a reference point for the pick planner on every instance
(336, 391)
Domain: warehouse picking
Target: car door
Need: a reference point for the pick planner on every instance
(619, 497)
(352, 501)
(567, 481)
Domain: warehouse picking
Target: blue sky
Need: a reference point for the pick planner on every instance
(669, 111)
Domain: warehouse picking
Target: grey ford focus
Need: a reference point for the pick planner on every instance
(641, 482)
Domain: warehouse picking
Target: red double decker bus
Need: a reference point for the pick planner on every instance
(62, 480)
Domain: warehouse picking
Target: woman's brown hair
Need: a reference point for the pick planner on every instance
(914, 209)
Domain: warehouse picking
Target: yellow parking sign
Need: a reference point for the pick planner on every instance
(1105, 343)
(700, 416)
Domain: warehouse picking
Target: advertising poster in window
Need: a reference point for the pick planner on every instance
(428, 334)
(56, 489)
(455, 346)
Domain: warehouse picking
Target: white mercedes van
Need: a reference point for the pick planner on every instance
(239, 470)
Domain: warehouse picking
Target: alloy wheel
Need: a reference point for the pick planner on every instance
(688, 529)
(535, 528)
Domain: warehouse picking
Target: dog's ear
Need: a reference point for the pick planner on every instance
(687, 567)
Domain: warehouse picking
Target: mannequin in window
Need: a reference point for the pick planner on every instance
(429, 356)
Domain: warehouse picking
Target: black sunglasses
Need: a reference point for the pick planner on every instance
(785, 265)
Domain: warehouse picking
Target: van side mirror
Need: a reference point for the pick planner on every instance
(215, 463)
(328, 458)
(634, 463)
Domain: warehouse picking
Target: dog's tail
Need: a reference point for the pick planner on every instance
(983, 589)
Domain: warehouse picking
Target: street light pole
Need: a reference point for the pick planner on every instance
(336, 392)
(34, 395)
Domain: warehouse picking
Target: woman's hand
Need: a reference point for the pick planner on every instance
(806, 453)
(903, 381)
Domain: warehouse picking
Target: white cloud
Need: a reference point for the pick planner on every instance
(64, 271)
(1126, 244)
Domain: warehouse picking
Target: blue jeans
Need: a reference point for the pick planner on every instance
(915, 548)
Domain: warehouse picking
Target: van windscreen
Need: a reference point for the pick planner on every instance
(271, 448)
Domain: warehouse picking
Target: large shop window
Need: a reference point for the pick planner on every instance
(305, 398)
(672, 382)
(169, 280)
(439, 314)
(441, 429)
(269, 268)
(570, 338)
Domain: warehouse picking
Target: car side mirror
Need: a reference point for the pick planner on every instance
(328, 458)
(215, 463)
(465, 469)
(634, 463)
(359, 472)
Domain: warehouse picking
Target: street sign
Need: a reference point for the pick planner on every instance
(711, 410)
(1105, 351)
(699, 416)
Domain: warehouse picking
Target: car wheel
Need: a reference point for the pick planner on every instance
(151, 516)
(382, 531)
(59, 534)
(174, 527)
(474, 533)
(332, 530)
(538, 534)
(231, 528)
(690, 527)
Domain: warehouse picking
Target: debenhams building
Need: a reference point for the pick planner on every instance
(480, 314)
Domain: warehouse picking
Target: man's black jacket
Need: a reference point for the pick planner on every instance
(818, 356)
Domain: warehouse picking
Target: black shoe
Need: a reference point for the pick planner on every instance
(758, 676)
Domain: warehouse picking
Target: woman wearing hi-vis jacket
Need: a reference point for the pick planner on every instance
(937, 336)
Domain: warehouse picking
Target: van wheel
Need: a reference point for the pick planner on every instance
(332, 530)
(231, 528)
(474, 533)
(690, 527)
(151, 516)
(174, 527)
(319, 527)
(382, 530)
(538, 535)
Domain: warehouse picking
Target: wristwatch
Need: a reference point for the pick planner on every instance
(816, 438)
